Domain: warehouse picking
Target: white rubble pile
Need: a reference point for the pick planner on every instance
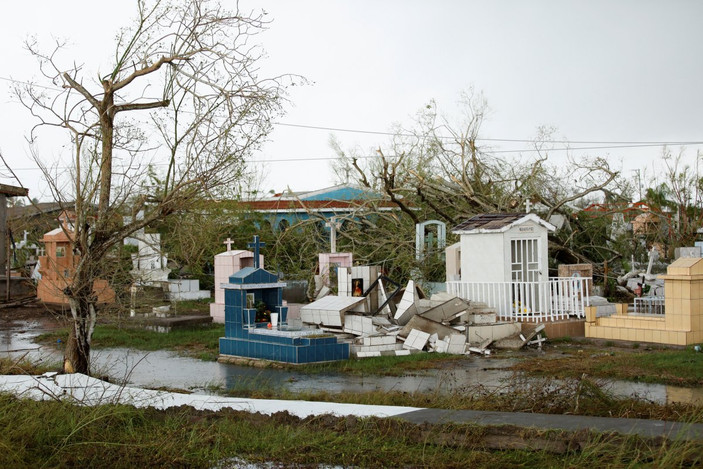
(376, 325)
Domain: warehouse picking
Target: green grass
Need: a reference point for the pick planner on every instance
(22, 366)
(201, 342)
(675, 367)
(54, 433)
(388, 366)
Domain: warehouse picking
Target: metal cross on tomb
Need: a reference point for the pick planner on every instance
(256, 245)
(333, 225)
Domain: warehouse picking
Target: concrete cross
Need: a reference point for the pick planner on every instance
(229, 244)
(256, 245)
(333, 225)
(528, 205)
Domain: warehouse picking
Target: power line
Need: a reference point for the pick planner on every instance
(599, 144)
(513, 140)
(366, 157)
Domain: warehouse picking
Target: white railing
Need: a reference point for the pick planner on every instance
(557, 298)
(649, 305)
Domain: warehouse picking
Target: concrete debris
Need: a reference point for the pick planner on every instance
(410, 323)
(429, 326)
(406, 308)
(482, 348)
(447, 311)
(324, 291)
(520, 339)
(358, 325)
(416, 340)
(328, 311)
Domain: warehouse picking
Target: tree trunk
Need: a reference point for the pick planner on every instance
(77, 353)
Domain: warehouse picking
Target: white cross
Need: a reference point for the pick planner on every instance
(333, 225)
(229, 244)
(528, 205)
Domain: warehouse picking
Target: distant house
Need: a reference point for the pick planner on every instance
(342, 201)
(57, 267)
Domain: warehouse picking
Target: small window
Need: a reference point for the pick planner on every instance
(60, 251)
(65, 273)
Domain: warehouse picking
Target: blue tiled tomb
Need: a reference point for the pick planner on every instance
(251, 296)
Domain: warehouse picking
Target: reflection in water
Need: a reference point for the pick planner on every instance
(167, 369)
(675, 394)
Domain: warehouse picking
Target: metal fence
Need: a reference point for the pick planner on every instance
(556, 298)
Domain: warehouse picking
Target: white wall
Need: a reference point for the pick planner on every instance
(482, 258)
(485, 257)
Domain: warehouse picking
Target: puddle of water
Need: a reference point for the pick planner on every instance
(168, 369)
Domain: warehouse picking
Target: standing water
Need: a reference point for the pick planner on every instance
(167, 369)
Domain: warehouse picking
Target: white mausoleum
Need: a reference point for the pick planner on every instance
(501, 247)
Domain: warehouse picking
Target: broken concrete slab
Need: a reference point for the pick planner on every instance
(381, 321)
(482, 348)
(442, 346)
(482, 318)
(429, 326)
(380, 344)
(406, 307)
(520, 339)
(446, 311)
(323, 292)
(456, 344)
(416, 340)
(378, 340)
(328, 311)
(358, 325)
(442, 296)
(479, 333)
(423, 305)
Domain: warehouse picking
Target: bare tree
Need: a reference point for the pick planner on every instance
(172, 121)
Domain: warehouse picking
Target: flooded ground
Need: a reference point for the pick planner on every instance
(168, 369)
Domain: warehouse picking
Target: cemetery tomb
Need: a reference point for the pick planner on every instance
(252, 297)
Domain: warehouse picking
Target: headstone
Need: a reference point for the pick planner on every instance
(228, 263)
(149, 264)
(576, 271)
(693, 251)
(425, 240)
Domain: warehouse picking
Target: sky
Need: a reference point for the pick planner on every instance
(607, 73)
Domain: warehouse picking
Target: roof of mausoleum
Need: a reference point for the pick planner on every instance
(498, 222)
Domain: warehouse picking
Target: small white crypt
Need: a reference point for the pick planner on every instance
(500, 247)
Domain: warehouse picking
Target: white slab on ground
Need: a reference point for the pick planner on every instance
(84, 390)
(416, 339)
(457, 344)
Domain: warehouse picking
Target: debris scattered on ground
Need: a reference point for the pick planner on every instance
(396, 321)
